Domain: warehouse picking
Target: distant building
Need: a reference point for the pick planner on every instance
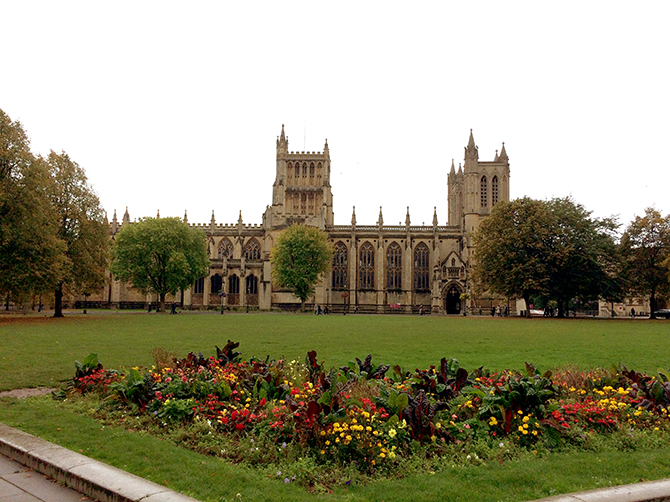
(377, 267)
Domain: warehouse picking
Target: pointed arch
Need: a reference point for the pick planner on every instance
(495, 191)
(225, 249)
(233, 290)
(366, 267)
(394, 267)
(421, 268)
(340, 266)
(216, 283)
(199, 286)
(252, 251)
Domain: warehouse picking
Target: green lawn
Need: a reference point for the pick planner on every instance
(41, 351)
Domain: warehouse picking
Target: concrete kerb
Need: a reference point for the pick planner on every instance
(649, 491)
(92, 478)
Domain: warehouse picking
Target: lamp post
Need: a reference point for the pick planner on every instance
(222, 294)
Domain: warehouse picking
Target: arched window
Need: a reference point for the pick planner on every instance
(297, 171)
(252, 285)
(199, 286)
(421, 268)
(225, 249)
(304, 170)
(394, 267)
(252, 251)
(318, 171)
(311, 170)
(216, 284)
(234, 285)
(494, 191)
(233, 290)
(289, 170)
(303, 203)
(366, 269)
(340, 266)
(484, 198)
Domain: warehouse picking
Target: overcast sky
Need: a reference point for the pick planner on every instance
(177, 106)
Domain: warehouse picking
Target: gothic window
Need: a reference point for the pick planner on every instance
(252, 251)
(304, 170)
(453, 262)
(216, 284)
(199, 286)
(366, 267)
(340, 266)
(233, 285)
(311, 170)
(318, 171)
(303, 203)
(494, 191)
(289, 170)
(296, 203)
(311, 203)
(252, 285)
(297, 171)
(483, 193)
(394, 267)
(421, 268)
(225, 249)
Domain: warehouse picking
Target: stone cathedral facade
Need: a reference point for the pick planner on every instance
(376, 267)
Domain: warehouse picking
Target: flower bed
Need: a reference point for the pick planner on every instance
(299, 420)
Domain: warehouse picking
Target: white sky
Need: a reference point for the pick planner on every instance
(177, 105)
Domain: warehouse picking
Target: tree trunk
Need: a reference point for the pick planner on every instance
(561, 308)
(302, 306)
(58, 308)
(526, 298)
(162, 303)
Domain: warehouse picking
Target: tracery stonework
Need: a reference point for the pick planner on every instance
(378, 268)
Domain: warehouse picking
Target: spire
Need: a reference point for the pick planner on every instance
(158, 213)
(407, 220)
(460, 169)
(503, 154)
(452, 172)
(282, 138)
(106, 221)
(495, 159)
(212, 222)
(434, 216)
(185, 217)
(380, 221)
(126, 216)
(114, 220)
(239, 220)
(353, 217)
(326, 152)
(471, 149)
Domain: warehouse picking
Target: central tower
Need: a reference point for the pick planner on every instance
(301, 192)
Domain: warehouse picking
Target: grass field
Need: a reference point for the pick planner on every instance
(38, 351)
(41, 351)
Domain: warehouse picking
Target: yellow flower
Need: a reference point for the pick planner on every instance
(391, 455)
(323, 433)
(521, 429)
(534, 433)
(322, 452)
(525, 419)
(525, 426)
(327, 443)
(493, 421)
(382, 455)
(368, 428)
(392, 433)
(525, 431)
(520, 412)
(348, 438)
(433, 438)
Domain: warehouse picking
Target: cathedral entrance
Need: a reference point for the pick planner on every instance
(453, 301)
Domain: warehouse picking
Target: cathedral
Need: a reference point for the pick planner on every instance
(376, 268)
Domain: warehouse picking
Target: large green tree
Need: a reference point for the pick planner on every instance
(81, 227)
(299, 256)
(645, 246)
(160, 256)
(31, 253)
(552, 249)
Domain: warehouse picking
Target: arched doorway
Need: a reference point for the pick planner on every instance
(453, 300)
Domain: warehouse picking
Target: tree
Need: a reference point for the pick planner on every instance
(31, 254)
(552, 249)
(300, 255)
(645, 246)
(160, 256)
(81, 227)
